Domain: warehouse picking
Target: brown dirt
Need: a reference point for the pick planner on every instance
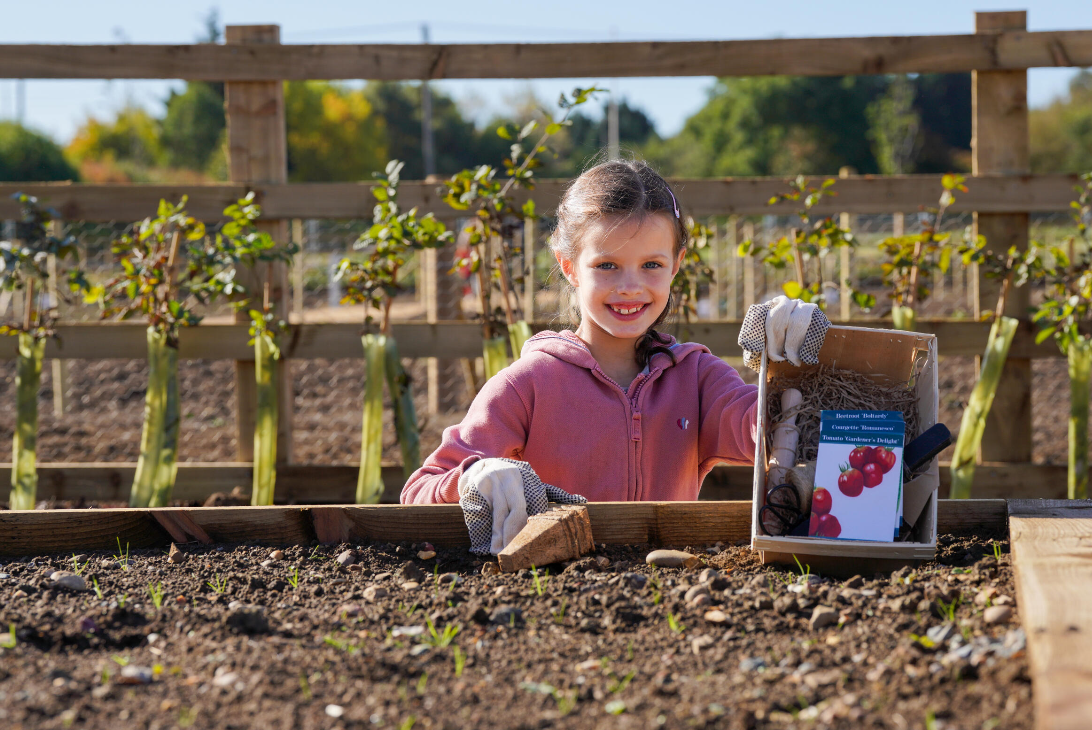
(596, 641)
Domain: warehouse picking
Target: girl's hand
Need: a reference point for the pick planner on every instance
(497, 497)
(786, 329)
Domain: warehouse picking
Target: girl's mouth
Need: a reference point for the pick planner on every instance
(627, 312)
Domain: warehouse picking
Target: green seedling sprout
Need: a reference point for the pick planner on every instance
(565, 701)
(408, 723)
(674, 624)
(948, 610)
(8, 640)
(654, 585)
(460, 660)
(540, 583)
(156, 593)
(305, 687)
(122, 558)
(617, 685)
(76, 567)
(422, 682)
(996, 550)
(559, 614)
(803, 574)
(218, 584)
(122, 599)
(440, 640)
(294, 578)
(98, 591)
(121, 661)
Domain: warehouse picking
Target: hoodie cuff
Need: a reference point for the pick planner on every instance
(449, 488)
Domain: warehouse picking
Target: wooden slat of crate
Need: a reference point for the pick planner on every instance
(667, 523)
(1051, 543)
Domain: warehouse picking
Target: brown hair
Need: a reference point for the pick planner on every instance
(622, 189)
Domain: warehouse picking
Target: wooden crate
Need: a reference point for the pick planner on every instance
(894, 354)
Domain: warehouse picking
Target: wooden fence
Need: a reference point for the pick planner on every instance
(253, 63)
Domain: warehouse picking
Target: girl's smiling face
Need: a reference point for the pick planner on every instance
(622, 276)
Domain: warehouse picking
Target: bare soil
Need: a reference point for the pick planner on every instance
(606, 641)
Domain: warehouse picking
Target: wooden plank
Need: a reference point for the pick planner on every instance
(1051, 543)
(779, 56)
(699, 197)
(999, 145)
(258, 153)
(667, 523)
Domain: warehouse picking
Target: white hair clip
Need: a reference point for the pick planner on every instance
(674, 202)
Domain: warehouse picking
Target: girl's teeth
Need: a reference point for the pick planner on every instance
(631, 310)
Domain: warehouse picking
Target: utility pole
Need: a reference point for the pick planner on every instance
(426, 117)
(614, 151)
(20, 100)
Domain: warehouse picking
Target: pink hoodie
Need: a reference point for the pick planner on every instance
(556, 409)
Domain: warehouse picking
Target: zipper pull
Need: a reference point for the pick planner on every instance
(636, 426)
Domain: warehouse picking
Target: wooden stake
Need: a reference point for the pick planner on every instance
(258, 154)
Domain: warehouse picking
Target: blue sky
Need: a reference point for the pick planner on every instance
(57, 107)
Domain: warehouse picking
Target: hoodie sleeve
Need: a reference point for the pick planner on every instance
(495, 426)
(728, 414)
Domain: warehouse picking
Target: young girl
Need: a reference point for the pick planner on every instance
(614, 411)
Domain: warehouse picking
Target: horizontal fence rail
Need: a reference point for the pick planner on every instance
(109, 341)
(705, 197)
(791, 57)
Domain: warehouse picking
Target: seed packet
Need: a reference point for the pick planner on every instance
(858, 476)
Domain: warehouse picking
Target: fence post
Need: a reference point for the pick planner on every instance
(999, 144)
(258, 154)
(748, 234)
(530, 282)
(731, 231)
(298, 266)
(443, 292)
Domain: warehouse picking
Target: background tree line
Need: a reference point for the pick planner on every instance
(748, 126)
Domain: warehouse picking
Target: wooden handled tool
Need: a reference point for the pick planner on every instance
(785, 438)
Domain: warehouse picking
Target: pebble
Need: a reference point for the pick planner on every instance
(410, 571)
(941, 634)
(382, 576)
(226, 679)
(716, 616)
(854, 582)
(410, 585)
(588, 665)
(822, 678)
(752, 664)
(349, 610)
(276, 555)
(407, 631)
(491, 569)
(19, 594)
(335, 710)
(701, 600)
(132, 674)
(708, 574)
(635, 581)
(347, 558)
(68, 579)
(823, 616)
(763, 603)
(266, 563)
(671, 559)
(506, 615)
(1003, 600)
(701, 642)
(450, 580)
(426, 554)
(176, 556)
(602, 561)
(694, 592)
(984, 596)
(374, 593)
(997, 614)
(4, 576)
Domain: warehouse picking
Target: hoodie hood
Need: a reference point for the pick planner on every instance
(565, 345)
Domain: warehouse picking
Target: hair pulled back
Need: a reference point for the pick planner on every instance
(622, 190)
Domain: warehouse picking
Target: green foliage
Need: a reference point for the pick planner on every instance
(9, 640)
(497, 216)
(122, 558)
(807, 246)
(156, 593)
(219, 584)
(566, 701)
(1061, 133)
(132, 138)
(675, 624)
(27, 156)
(1068, 301)
(393, 237)
(460, 660)
(440, 639)
(193, 126)
(895, 127)
(294, 578)
(693, 271)
(333, 132)
(98, 591)
(540, 582)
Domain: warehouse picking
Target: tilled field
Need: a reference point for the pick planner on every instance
(401, 638)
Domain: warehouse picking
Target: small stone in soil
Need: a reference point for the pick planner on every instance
(410, 571)
(823, 616)
(752, 664)
(984, 596)
(708, 575)
(671, 559)
(450, 580)
(374, 593)
(940, 634)
(764, 603)
(854, 582)
(997, 614)
(226, 679)
(266, 563)
(701, 642)
(506, 615)
(635, 580)
(602, 562)
(132, 674)
(176, 556)
(276, 555)
(410, 585)
(716, 616)
(335, 710)
(491, 569)
(68, 579)
(346, 558)
(694, 592)
(426, 554)
(407, 631)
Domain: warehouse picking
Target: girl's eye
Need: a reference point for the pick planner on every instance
(605, 265)
(654, 264)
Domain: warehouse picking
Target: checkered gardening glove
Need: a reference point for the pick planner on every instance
(787, 329)
(497, 497)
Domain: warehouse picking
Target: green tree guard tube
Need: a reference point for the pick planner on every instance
(1079, 354)
(369, 486)
(978, 407)
(905, 318)
(495, 354)
(158, 463)
(405, 415)
(266, 354)
(518, 333)
(24, 468)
